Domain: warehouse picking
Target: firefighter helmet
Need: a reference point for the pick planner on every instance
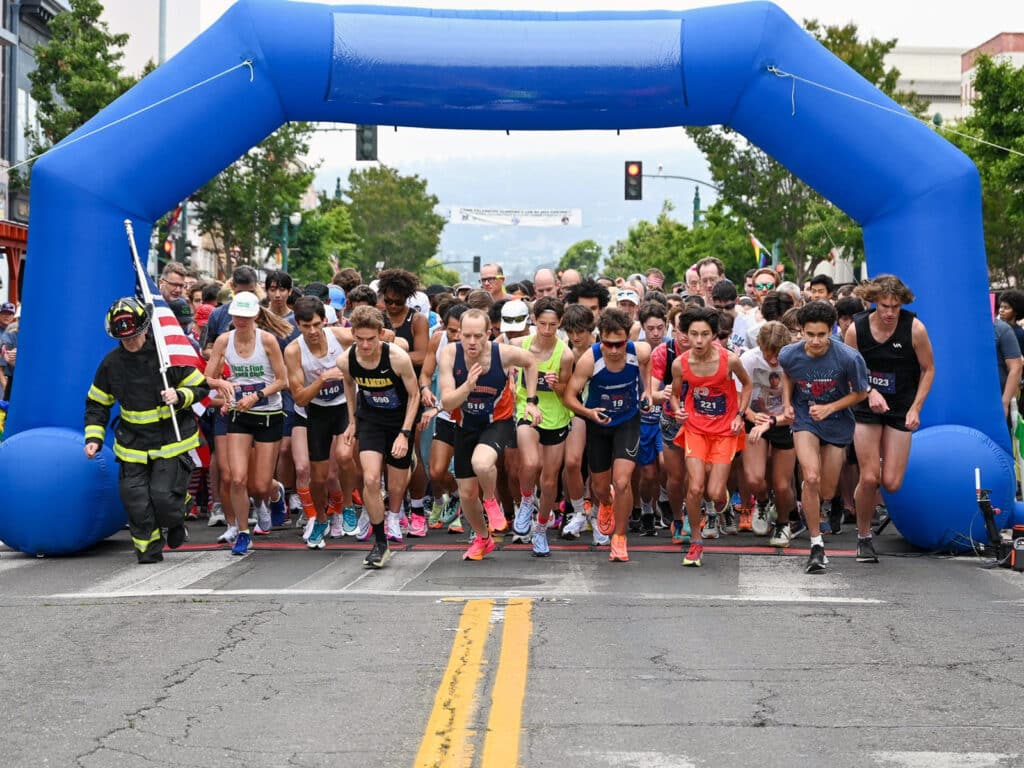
(127, 317)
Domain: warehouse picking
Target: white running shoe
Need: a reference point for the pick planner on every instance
(216, 516)
(575, 527)
(229, 536)
(393, 526)
(363, 527)
(337, 529)
(310, 522)
(523, 521)
(294, 502)
(600, 539)
(759, 523)
(263, 517)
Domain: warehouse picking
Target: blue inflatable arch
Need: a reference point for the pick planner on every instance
(918, 198)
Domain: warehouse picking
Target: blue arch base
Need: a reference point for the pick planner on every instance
(266, 62)
(63, 500)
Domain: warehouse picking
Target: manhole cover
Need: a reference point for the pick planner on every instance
(486, 581)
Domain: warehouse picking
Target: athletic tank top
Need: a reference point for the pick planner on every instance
(382, 396)
(332, 392)
(442, 414)
(404, 331)
(892, 364)
(253, 373)
(617, 392)
(711, 401)
(553, 411)
(492, 399)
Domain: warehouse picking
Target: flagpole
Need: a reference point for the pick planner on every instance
(147, 298)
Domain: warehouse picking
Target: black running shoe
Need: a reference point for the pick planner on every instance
(177, 536)
(866, 551)
(377, 556)
(835, 518)
(647, 525)
(817, 561)
(635, 524)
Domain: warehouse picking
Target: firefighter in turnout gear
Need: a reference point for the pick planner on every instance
(154, 463)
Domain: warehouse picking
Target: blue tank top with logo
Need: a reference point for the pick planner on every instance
(617, 392)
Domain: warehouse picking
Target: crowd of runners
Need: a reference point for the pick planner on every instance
(560, 406)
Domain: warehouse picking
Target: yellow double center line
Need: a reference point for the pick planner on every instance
(448, 738)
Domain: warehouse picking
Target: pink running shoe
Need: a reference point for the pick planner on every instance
(417, 525)
(479, 548)
(495, 517)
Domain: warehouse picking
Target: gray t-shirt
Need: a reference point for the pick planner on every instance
(826, 379)
(1007, 348)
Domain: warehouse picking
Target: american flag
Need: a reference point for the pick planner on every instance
(179, 352)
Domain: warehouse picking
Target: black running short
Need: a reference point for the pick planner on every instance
(264, 427)
(777, 437)
(379, 438)
(892, 419)
(444, 431)
(605, 445)
(547, 436)
(499, 435)
(323, 424)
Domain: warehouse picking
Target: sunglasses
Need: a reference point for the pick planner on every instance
(730, 305)
(491, 279)
(394, 302)
(516, 319)
(764, 286)
(613, 344)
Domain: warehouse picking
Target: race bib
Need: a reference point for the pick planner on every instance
(330, 390)
(542, 383)
(617, 403)
(478, 406)
(708, 405)
(384, 399)
(241, 390)
(883, 382)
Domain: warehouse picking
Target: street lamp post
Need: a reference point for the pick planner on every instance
(294, 219)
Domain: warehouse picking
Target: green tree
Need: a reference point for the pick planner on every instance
(998, 118)
(235, 207)
(583, 256)
(436, 272)
(771, 200)
(393, 218)
(322, 235)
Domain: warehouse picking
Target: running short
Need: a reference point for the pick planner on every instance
(711, 449)
(499, 435)
(220, 423)
(323, 424)
(444, 431)
(379, 438)
(547, 436)
(669, 429)
(605, 445)
(650, 444)
(264, 427)
(890, 419)
(780, 438)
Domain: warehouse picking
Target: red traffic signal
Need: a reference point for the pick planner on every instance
(634, 180)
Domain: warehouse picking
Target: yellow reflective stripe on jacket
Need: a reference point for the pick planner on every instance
(193, 379)
(95, 431)
(101, 397)
(168, 451)
(142, 544)
(187, 398)
(152, 416)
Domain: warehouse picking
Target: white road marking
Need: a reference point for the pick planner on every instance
(172, 576)
(945, 759)
(641, 759)
(17, 560)
(401, 570)
(782, 579)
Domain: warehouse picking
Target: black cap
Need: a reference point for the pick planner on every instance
(436, 289)
(182, 311)
(320, 290)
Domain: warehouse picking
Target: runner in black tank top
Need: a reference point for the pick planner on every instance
(898, 353)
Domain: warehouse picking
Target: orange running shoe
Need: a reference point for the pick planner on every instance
(619, 552)
(479, 548)
(605, 518)
(495, 517)
(746, 520)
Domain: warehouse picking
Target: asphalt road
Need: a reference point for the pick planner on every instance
(303, 658)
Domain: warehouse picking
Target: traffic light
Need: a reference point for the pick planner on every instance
(366, 142)
(476, 264)
(634, 180)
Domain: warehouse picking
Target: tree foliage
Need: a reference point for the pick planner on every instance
(393, 219)
(436, 272)
(771, 200)
(325, 232)
(583, 256)
(998, 118)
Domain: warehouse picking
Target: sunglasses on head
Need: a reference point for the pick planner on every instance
(613, 344)
(764, 286)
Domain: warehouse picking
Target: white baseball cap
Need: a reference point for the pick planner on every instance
(245, 304)
(514, 315)
(627, 295)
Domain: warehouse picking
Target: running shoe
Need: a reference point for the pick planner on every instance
(835, 518)
(242, 543)
(193, 512)
(278, 511)
(403, 522)
(393, 526)
(797, 528)
(363, 528)
(662, 523)
(229, 536)
(316, 537)
(307, 529)
(711, 529)
(600, 539)
(635, 523)
(455, 526)
(692, 558)
(678, 533)
(574, 528)
(378, 555)
(865, 550)
(294, 503)
(729, 526)
(540, 540)
(417, 525)
(746, 520)
(665, 509)
(619, 553)
(495, 517)
(436, 511)
(605, 518)
(263, 517)
(647, 525)
(349, 521)
(259, 530)
(216, 516)
(781, 536)
(337, 529)
(178, 535)
(555, 520)
(451, 510)
(759, 520)
(524, 520)
(479, 548)
(816, 561)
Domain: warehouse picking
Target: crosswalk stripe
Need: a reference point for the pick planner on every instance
(944, 759)
(641, 759)
(174, 577)
(782, 580)
(400, 571)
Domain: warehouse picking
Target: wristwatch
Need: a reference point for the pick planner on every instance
(869, 389)
(407, 433)
(535, 400)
